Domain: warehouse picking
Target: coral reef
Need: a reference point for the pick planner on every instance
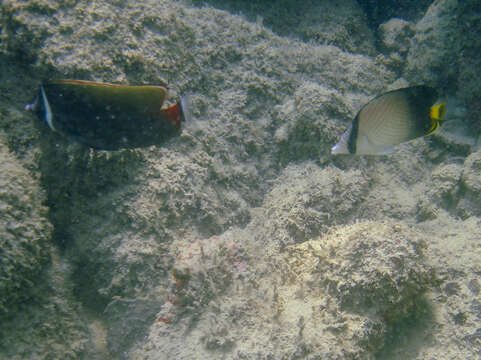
(375, 271)
(243, 237)
(306, 200)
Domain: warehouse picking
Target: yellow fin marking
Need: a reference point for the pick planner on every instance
(434, 127)
(437, 111)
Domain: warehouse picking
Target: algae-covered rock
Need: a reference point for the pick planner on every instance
(444, 52)
(115, 212)
(49, 325)
(436, 33)
(469, 88)
(455, 188)
(339, 23)
(39, 317)
(338, 296)
(314, 113)
(456, 258)
(380, 11)
(25, 232)
(126, 320)
(307, 199)
(218, 244)
(357, 283)
(373, 267)
(348, 287)
(470, 204)
(396, 35)
(374, 274)
(445, 185)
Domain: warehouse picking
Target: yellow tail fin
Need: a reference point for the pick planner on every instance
(437, 111)
(437, 114)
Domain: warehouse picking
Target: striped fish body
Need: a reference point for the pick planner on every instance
(391, 119)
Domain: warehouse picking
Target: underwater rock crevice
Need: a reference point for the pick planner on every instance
(407, 333)
(379, 11)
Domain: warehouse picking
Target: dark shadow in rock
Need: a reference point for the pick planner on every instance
(282, 16)
(82, 186)
(127, 322)
(379, 11)
(334, 22)
(87, 282)
(77, 178)
(406, 335)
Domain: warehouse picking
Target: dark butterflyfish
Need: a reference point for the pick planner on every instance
(391, 119)
(108, 116)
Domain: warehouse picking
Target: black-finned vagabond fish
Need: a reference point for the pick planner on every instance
(109, 116)
(390, 119)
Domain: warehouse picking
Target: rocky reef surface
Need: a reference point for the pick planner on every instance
(243, 238)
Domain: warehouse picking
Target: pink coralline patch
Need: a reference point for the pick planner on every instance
(240, 265)
(218, 259)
